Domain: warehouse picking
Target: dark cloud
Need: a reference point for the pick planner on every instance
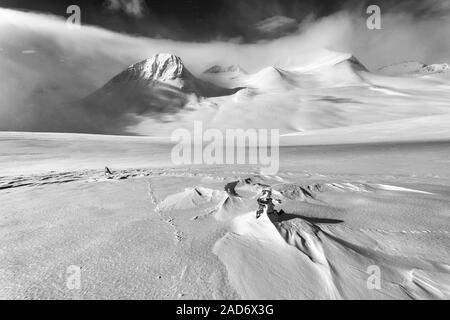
(206, 20)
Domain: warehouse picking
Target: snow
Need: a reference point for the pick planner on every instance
(429, 128)
(262, 265)
(325, 59)
(395, 188)
(267, 78)
(156, 231)
(191, 198)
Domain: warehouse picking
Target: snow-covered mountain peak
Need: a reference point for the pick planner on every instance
(325, 59)
(414, 68)
(162, 67)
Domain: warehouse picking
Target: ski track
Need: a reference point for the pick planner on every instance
(169, 220)
(175, 289)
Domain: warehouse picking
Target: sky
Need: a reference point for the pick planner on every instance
(206, 20)
(44, 64)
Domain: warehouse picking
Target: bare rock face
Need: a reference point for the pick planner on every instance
(161, 67)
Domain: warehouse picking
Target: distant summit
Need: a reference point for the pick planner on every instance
(220, 69)
(414, 68)
(436, 68)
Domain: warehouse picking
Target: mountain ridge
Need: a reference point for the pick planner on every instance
(414, 68)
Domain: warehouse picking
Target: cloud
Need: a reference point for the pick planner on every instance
(134, 8)
(28, 51)
(277, 25)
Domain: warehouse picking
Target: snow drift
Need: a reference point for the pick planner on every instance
(301, 256)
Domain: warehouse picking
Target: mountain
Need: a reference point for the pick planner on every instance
(436, 68)
(166, 70)
(326, 68)
(326, 59)
(269, 78)
(228, 77)
(314, 90)
(413, 68)
(230, 69)
(154, 87)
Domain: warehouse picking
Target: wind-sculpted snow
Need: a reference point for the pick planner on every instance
(410, 277)
(325, 266)
(192, 198)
